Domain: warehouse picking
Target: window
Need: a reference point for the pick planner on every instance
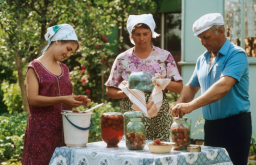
(240, 16)
(172, 36)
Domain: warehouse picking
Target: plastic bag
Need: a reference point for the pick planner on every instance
(141, 81)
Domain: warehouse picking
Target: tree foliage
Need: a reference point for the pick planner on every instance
(99, 25)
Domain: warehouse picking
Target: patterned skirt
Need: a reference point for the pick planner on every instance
(157, 127)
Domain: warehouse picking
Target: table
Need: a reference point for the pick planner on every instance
(97, 154)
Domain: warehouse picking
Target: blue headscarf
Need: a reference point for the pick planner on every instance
(59, 32)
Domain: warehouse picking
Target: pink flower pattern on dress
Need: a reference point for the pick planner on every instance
(44, 130)
(159, 61)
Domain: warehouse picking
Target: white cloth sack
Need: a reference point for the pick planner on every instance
(137, 97)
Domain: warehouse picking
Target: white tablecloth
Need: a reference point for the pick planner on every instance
(97, 154)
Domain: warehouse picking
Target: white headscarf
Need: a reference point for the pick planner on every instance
(59, 32)
(143, 18)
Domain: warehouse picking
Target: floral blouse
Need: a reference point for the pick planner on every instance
(159, 61)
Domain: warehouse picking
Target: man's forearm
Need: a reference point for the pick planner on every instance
(214, 93)
(218, 90)
(187, 94)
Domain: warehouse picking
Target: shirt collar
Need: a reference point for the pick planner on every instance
(223, 50)
(225, 47)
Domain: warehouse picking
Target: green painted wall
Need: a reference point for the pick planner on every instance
(170, 6)
(192, 10)
(252, 93)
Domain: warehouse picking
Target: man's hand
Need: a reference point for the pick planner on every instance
(180, 109)
(184, 103)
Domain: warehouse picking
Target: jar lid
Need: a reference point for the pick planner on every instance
(180, 118)
(133, 113)
(194, 148)
(112, 113)
(136, 119)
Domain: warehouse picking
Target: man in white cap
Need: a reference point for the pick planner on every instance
(222, 74)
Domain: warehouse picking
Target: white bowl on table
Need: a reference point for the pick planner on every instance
(160, 149)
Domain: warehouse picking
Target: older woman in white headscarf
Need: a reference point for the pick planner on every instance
(145, 57)
(49, 91)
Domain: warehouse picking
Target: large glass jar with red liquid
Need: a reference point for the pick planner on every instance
(112, 128)
(180, 133)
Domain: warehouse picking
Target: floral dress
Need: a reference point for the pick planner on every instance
(44, 130)
(159, 61)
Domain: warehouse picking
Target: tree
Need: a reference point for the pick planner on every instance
(11, 39)
(24, 23)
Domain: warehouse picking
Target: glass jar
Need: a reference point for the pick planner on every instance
(136, 134)
(132, 114)
(112, 128)
(180, 133)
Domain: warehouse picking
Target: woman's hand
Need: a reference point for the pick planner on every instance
(158, 75)
(86, 101)
(71, 101)
(173, 86)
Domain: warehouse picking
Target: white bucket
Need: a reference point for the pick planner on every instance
(76, 128)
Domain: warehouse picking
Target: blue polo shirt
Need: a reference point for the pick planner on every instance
(231, 61)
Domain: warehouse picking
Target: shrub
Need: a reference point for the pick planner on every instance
(12, 130)
(253, 148)
(5, 74)
(3, 107)
(11, 162)
(12, 96)
(172, 97)
(199, 122)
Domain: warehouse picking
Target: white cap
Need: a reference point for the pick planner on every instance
(206, 22)
(143, 18)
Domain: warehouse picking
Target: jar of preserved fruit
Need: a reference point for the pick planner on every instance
(112, 128)
(132, 114)
(136, 134)
(180, 133)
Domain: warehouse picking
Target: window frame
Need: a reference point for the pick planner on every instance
(252, 60)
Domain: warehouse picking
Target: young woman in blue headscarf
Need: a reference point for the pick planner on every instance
(49, 91)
